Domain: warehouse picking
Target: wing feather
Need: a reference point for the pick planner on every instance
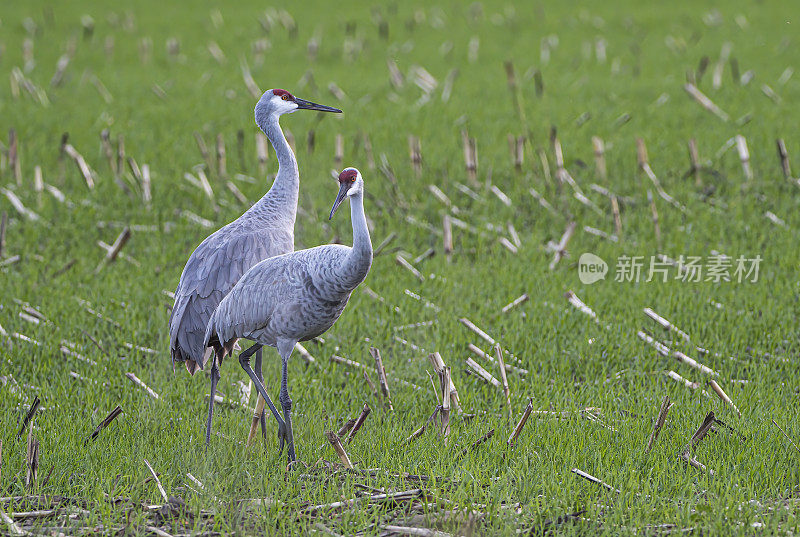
(210, 273)
(276, 286)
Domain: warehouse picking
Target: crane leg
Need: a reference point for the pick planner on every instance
(214, 380)
(244, 361)
(260, 376)
(285, 349)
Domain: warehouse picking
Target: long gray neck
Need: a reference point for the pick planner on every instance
(283, 195)
(359, 259)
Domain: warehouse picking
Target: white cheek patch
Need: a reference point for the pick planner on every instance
(352, 190)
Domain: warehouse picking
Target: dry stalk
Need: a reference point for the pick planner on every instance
(654, 214)
(371, 385)
(595, 480)
(147, 197)
(543, 202)
(368, 151)
(576, 302)
(384, 243)
(599, 157)
(409, 267)
(441, 196)
(502, 196)
(447, 235)
(261, 152)
(415, 154)
(666, 325)
(395, 76)
(29, 416)
(112, 254)
(105, 423)
(19, 206)
(13, 528)
(498, 352)
(489, 358)
(158, 482)
(773, 422)
(686, 456)
(413, 531)
(617, 218)
(382, 497)
(517, 147)
(346, 428)
(301, 350)
(521, 423)
(560, 250)
(251, 85)
(333, 438)
(689, 384)
(662, 416)
(358, 423)
(418, 432)
(86, 172)
(120, 152)
(694, 159)
(705, 102)
(744, 156)
(142, 385)
(439, 366)
(514, 303)
(478, 442)
(702, 431)
(376, 355)
(665, 351)
(644, 165)
(770, 93)
(13, 156)
(722, 395)
(470, 156)
(445, 406)
(338, 148)
(260, 403)
(108, 151)
(784, 156)
(691, 362)
(483, 374)
(31, 460)
(347, 362)
(480, 333)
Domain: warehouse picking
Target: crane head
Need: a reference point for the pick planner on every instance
(350, 184)
(278, 101)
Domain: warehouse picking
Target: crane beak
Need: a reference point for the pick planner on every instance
(343, 188)
(302, 104)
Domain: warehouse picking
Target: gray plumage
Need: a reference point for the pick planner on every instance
(263, 231)
(212, 271)
(296, 296)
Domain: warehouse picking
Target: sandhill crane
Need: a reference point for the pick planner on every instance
(294, 297)
(264, 230)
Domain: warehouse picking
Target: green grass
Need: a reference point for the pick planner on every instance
(574, 362)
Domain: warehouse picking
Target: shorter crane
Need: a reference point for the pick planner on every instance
(294, 297)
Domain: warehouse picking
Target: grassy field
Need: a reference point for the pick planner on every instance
(155, 74)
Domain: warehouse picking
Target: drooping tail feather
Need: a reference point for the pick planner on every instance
(192, 366)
